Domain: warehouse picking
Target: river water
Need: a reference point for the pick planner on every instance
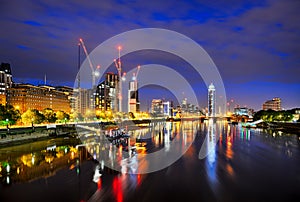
(222, 162)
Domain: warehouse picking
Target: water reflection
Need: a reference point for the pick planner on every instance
(17, 165)
(235, 155)
(132, 153)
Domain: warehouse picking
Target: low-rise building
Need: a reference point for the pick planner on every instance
(27, 96)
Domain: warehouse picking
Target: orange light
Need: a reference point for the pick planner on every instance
(99, 183)
(119, 47)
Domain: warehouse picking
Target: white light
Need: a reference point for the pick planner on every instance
(32, 160)
(8, 168)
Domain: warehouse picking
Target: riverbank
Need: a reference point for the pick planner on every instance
(23, 135)
(286, 127)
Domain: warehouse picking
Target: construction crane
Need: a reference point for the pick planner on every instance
(94, 72)
(135, 74)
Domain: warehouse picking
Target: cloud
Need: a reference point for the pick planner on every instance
(247, 40)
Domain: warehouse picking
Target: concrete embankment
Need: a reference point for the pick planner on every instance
(23, 135)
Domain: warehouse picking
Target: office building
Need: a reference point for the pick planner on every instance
(274, 104)
(5, 81)
(83, 101)
(157, 107)
(133, 97)
(106, 93)
(27, 96)
(167, 108)
(69, 92)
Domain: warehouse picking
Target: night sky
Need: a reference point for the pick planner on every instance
(254, 44)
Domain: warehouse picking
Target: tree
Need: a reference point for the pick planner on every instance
(50, 115)
(131, 115)
(76, 116)
(100, 114)
(8, 115)
(32, 116)
(271, 115)
(62, 116)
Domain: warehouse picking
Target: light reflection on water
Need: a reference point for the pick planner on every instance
(235, 154)
(18, 165)
(131, 155)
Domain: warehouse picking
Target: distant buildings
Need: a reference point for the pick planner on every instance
(274, 104)
(27, 96)
(188, 108)
(243, 111)
(211, 101)
(5, 81)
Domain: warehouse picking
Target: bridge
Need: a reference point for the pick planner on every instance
(253, 123)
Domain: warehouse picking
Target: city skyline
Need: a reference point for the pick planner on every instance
(254, 45)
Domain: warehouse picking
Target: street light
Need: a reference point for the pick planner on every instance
(32, 119)
(7, 125)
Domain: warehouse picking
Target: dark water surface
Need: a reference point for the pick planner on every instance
(241, 165)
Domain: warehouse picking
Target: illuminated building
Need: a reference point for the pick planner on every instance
(27, 96)
(157, 107)
(211, 101)
(188, 108)
(133, 97)
(5, 81)
(274, 104)
(70, 93)
(83, 101)
(243, 111)
(106, 97)
(167, 108)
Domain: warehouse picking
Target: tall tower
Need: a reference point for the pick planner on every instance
(211, 100)
(106, 93)
(133, 97)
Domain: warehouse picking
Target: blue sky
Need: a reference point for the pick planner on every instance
(254, 44)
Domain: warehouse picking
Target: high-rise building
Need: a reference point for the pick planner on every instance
(274, 104)
(84, 101)
(106, 93)
(168, 108)
(133, 97)
(5, 81)
(27, 96)
(211, 100)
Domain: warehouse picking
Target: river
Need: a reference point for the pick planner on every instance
(222, 162)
